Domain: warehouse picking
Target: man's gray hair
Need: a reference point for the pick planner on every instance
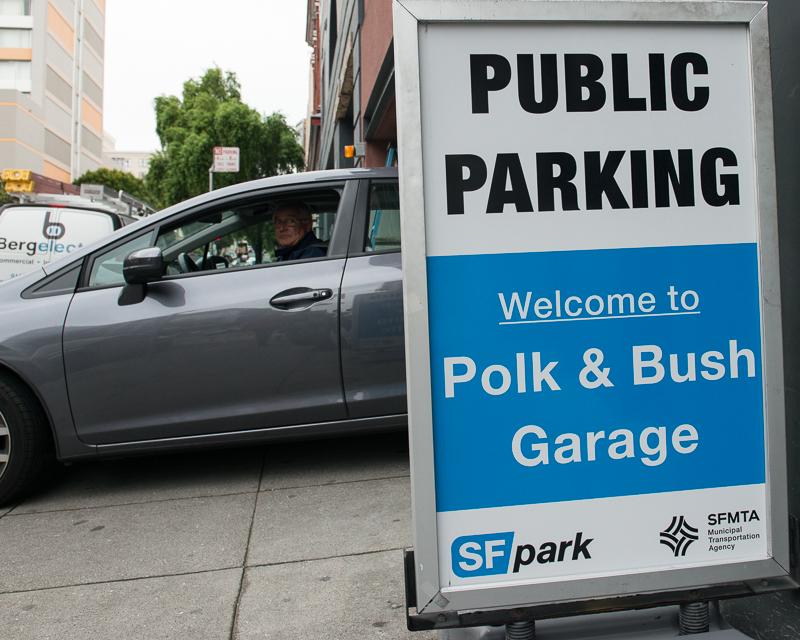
(300, 209)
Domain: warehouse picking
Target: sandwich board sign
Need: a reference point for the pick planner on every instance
(592, 305)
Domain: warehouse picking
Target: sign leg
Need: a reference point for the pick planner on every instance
(525, 630)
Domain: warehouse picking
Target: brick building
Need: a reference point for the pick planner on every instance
(351, 96)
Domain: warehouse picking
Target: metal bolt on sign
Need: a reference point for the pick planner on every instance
(521, 630)
(693, 618)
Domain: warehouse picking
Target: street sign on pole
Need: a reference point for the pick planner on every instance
(226, 159)
(593, 335)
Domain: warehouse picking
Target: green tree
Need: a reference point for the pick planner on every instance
(5, 198)
(211, 113)
(116, 179)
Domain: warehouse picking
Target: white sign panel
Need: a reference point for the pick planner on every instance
(33, 236)
(595, 335)
(226, 159)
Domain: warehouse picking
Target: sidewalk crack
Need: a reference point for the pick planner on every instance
(242, 583)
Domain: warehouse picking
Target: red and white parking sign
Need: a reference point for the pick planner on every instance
(226, 159)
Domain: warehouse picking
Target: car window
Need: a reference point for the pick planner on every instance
(63, 282)
(246, 235)
(383, 226)
(107, 267)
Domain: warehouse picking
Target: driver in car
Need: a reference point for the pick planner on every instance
(293, 234)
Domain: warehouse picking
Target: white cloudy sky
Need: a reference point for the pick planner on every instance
(153, 46)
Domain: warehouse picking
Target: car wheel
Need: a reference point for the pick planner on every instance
(26, 448)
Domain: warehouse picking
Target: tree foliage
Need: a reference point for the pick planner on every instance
(116, 179)
(211, 113)
(5, 198)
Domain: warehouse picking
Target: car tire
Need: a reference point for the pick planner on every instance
(26, 446)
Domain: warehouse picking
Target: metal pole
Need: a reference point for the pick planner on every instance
(211, 178)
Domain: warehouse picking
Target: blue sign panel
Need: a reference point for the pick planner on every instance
(570, 375)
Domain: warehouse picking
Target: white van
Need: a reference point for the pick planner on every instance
(31, 235)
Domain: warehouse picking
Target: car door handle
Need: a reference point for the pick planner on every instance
(299, 297)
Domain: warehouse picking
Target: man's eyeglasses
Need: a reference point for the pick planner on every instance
(286, 222)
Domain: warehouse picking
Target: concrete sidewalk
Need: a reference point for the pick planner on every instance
(299, 540)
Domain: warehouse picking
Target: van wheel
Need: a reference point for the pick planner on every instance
(26, 448)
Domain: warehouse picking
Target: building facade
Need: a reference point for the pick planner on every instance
(51, 86)
(134, 162)
(351, 85)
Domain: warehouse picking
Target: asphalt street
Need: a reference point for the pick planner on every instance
(294, 540)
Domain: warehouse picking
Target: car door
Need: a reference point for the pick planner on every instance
(216, 350)
(373, 348)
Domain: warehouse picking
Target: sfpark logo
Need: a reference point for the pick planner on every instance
(490, 554)
(679, 536)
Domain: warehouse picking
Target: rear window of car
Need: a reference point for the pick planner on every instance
(31, 237)
(383, 227)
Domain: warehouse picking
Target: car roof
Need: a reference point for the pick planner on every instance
(291, 179)
(62, 205)
(285, 180)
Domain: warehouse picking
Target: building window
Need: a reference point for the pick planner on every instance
(15, 7)
(333, 32)
(15, 74)
(15, 38)
(120, 163)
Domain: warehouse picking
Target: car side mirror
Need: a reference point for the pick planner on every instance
(143, 266)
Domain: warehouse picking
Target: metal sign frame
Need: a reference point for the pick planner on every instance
(411, 16)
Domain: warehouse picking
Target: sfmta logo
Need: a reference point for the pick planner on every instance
(678, 536)
(490, 554)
